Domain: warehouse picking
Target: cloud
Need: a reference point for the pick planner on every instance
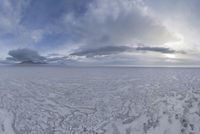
(29, 56)
(113, 22)
(110, 50)
(183, 18)
(109, 25)
(36, 24)
(156, 49)
(25, 56)
(49, 11)
(13, 34)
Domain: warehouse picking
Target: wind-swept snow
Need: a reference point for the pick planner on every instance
(6, 121)
(61, 100)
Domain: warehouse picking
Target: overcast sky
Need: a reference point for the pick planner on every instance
(106, 32)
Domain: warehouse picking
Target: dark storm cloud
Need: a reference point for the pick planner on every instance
(25, 56)
(28, 56)
(160, 50)
(108, 50)
(156, 49)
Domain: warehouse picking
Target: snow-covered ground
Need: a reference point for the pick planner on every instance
(66, 100)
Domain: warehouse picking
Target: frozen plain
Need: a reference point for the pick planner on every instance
(99, 100)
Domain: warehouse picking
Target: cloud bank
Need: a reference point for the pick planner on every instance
(29, 56)
(26, 56)
(110, 50)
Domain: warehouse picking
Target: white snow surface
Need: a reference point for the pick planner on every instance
(99, 100)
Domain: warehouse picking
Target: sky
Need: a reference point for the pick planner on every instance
(100, 32)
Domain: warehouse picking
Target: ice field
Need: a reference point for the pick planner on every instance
(99, 100)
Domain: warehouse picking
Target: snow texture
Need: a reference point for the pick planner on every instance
(66, 100)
